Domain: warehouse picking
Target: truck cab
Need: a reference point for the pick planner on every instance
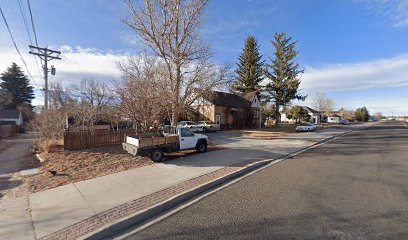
(188, 139)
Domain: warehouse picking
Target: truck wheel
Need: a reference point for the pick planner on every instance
(156, 155)
(201, 147)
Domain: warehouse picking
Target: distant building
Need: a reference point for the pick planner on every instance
(314, 115)
(11, 117)
(334, 118)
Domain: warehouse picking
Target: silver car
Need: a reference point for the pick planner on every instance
(191, 125)
(208, 126)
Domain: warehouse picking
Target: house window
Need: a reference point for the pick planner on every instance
(218, 119)
(256, 115)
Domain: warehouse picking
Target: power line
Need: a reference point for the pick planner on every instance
(28, 33)
(14, 43)
(25, 21)
(32, 22)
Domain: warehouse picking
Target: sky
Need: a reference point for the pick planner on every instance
(354, 50)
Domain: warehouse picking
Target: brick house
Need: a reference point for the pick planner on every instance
(230, 111)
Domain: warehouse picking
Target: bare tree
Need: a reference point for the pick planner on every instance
(96, 93)
(171, 30)
(95, 100)
(346, 114)
(59, 97)
(323, 103)
(143, 95)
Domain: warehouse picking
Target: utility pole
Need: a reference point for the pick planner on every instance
(46, 55)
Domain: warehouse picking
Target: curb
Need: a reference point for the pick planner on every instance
(138, 219)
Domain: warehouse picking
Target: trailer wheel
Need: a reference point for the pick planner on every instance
(201, 147)
(156, 155)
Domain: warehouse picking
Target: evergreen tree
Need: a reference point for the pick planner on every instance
(249, 68)
(284, 73)
(299, 114)
(362, 114)
(15, 86)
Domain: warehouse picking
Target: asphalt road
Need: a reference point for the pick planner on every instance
(355, 187)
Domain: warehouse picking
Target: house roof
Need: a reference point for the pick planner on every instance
(309, 110)
(230, 100)
(9, 114)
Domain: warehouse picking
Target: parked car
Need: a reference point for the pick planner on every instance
(305, 127)
(208, 126)
(344, 122)
(191, 125)
(172, 139)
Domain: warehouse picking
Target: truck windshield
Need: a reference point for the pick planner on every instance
(184, 132)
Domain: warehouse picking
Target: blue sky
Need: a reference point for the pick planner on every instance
(355, 50)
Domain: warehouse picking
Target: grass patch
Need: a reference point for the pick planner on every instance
(269, 132)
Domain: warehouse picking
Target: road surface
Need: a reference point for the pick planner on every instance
(355, 187)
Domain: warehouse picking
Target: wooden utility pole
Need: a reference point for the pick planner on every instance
(46, 55)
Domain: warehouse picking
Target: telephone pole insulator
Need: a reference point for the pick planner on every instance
(46, 55)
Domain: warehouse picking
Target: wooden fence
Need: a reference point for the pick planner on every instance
(86, 139)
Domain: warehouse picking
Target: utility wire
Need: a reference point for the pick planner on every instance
(32, 22)
(28, 34)
(14, 43)
(25, 21)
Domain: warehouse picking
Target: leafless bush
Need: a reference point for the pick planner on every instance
(50, 124)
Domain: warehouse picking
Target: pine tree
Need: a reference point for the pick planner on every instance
(249, 68)
(362, 114)
(284, 73)
(15, 86)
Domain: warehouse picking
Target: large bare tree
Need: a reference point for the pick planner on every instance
(171, 30)
(323, 103)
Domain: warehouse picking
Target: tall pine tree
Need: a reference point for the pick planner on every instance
(249, 68)
(15, 86)
(284, 73)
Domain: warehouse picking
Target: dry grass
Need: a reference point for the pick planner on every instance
(47, 145)
(269, 132)
(75, 166)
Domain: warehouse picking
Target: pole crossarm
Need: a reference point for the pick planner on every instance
(46, 55)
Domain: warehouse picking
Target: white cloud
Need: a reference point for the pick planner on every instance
(393, 11)
(77, 63)
(391, 72)
(353, 82)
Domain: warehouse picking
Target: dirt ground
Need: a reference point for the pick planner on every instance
(75, 166)
(15, 155)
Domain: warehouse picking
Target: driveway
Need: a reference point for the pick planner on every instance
(14, 156)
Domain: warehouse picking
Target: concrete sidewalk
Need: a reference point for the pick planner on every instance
(43, 213)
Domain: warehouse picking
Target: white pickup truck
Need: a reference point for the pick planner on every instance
(172, 139)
